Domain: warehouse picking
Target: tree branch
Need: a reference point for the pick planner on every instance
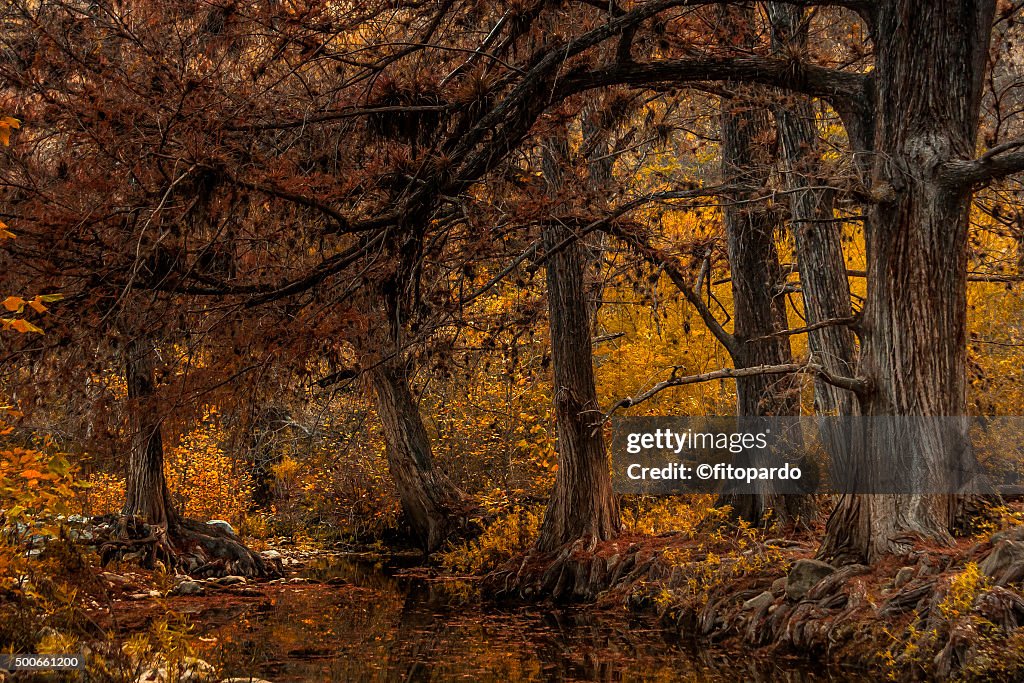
(855, 384)
(832, 322)
(836, 87)
(1000, 161)
(635, 240)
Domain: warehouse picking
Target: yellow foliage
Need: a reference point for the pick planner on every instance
(963, 590)
(105, 494)
(204, 478)
(509, 535)
(36, 488)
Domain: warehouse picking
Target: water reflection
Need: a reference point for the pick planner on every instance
(379, 627)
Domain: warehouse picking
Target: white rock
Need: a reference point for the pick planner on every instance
(223, 525)
(188, 588)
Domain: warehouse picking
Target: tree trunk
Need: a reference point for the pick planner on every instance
(433, 506)
(817, 238)
(756, 275)
(146, 493)
(817, 235)
(931, 59)
(582, 505)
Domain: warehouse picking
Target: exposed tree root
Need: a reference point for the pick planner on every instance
(188, 546)
(574, 573)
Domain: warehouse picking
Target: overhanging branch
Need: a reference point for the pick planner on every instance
(839, 88)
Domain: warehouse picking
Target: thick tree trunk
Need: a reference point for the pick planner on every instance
(149, 520)
(931, 58)
(433, 506)
(582, 505)
(146, 493)
(759, 306)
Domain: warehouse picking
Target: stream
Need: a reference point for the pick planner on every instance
(373, 624)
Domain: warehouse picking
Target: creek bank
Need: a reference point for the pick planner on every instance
(935, 613)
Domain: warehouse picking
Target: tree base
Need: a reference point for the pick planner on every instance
(187, 546)
(574, 573)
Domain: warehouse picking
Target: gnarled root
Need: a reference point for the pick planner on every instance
(571, 574)
(191, 547)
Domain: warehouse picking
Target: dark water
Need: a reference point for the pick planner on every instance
(379, 627)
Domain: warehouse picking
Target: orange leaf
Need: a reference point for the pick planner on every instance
(25, 327)
(14, 303)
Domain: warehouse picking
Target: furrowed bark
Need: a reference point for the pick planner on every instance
(582, 506)
(146, 492)
(819, 253)
(757, 278)
(931, 60)
(433, 506)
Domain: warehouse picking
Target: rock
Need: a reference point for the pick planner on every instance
(223, 526)
(229, 580)
(779, 585)
(115, 579)
(803, 575)
(270, 555)
(194, 670)
(154, 675)
(188, 670)
(904, 576)
(1005, 563)
(144, 596)
(188, 588)
(298, 579)
(759, 602)
(926, 567)
(244, 680)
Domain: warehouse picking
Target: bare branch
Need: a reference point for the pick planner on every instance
(832, 322)
(857, 385)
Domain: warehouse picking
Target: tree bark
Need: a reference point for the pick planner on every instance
(759, 306)
(930, 65)
(582, 505)
(817, 238)
(433, 506)
(146, 492)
